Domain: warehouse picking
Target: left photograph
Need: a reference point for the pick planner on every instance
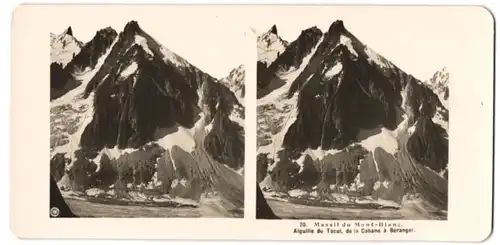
(139, 130)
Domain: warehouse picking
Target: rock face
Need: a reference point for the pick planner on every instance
(334, 116)
(57, 166)
(147, 121)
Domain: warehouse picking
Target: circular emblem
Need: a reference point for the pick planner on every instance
(54, 212)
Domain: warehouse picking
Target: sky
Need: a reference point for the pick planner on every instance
(419, 40)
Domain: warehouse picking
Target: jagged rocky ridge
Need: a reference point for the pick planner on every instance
(62, 75)
(336, 117)
(144, 120)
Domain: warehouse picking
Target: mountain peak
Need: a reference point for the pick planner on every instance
(311, 30)
(106, 31)
(68, 31)
(337, 26)
(132, 27)
(274, 30)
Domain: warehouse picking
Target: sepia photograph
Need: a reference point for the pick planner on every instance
(137, 130)
(344, 132)
(252, 122)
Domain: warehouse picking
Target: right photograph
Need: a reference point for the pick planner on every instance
(346, 133)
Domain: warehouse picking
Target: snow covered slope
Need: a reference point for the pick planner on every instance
(64, 47)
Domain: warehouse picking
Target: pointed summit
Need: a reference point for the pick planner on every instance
(274, 30)
(337, 26)
(131, 27)
(68, 31)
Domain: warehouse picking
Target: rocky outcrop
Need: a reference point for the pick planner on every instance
(428, 144)
(57, 166)
(263, 210)
(225, 142)
(57, 201)
(263, 162)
